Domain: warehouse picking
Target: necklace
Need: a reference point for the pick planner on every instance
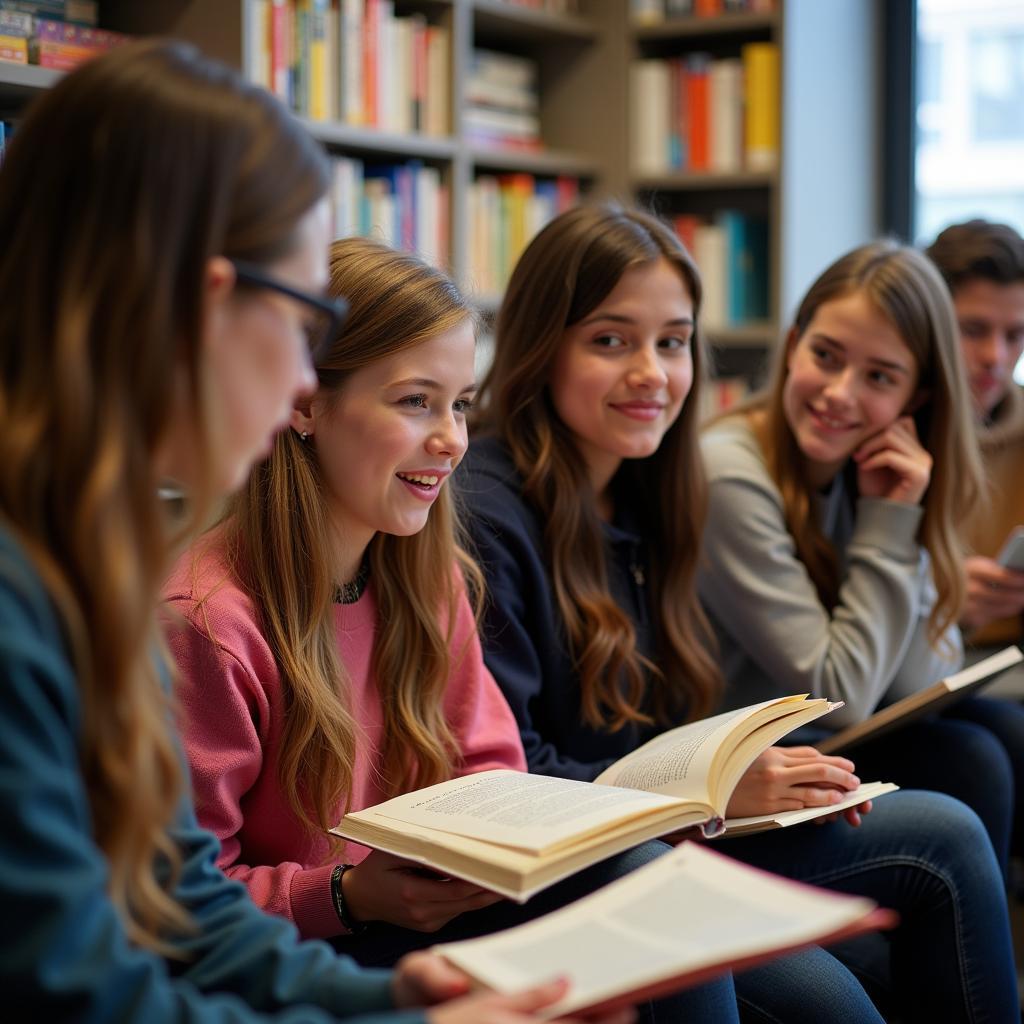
(349, 593)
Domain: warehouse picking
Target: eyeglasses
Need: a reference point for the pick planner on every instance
(326, 315)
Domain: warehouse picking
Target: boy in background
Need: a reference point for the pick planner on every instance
(983, 264)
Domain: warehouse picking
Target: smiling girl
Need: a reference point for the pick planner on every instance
(327, 640)
(832, 560)
(585, 496)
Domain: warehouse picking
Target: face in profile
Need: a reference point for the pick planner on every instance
(622, 374)
(991, 320)
(257, 356)
(850, 375)
(388, 441)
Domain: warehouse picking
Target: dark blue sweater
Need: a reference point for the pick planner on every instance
(64, 954)
(523, 637)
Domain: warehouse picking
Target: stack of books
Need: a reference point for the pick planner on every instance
(405, 205)
(502, 103)
(57, 34)
(505, 212)
(353, 61)
(698, 114)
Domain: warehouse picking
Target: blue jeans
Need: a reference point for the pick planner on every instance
(1003, 719)
(927, 857)
(969, 753)
(812, 982)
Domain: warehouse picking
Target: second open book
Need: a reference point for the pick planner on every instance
(516, 834)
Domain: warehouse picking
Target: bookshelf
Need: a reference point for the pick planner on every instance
(828, 68)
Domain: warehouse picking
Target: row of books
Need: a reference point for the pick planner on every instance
(694, 113)
(505, 212)
(652, 12)
(405, 205)
(502, 101)
(353, 61)
(5, 134)
(732, 255)
(78, 12)
(29, 38)
(549, 6)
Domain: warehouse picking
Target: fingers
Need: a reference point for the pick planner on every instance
(414, 888)
(534, 998)
(900, 436)
(426, 978)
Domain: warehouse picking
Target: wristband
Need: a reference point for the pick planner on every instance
(351, 925)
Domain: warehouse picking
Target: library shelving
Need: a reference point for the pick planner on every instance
(579, 127)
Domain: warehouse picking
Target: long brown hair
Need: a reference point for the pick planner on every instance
(123, 182)
(564, 274)
(907, 290)
(280, 548)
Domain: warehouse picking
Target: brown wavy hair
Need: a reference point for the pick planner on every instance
(280, 544)
(563, 275)
(122, 183)
(907, 290)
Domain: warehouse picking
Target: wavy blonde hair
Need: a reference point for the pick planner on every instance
(908, 291)
(123, 182)
(280, 548)
(562, 277)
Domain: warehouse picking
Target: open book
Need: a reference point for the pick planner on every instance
(674, 923)
(516, 834)
(927, 701)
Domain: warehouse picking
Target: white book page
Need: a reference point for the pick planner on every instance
(687, 910)
(680, 760)
(996, 663)
(867, 791)
(529, 812)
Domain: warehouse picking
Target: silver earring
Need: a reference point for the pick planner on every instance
(304, 435)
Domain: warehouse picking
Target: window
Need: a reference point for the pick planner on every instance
(969, 159)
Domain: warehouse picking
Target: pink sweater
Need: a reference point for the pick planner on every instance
(231, 699)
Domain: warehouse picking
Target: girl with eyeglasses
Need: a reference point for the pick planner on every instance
(132, 199)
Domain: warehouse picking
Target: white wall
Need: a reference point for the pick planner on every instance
(831, 81)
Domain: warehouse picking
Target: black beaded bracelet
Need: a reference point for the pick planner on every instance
(353, 926)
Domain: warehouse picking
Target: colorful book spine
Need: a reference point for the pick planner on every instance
(761, 125)
(505, 212)
(404, 205)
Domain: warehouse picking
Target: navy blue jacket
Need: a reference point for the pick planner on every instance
(523, 637)
(64, 953)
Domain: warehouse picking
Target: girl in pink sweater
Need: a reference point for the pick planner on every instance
(326, 637)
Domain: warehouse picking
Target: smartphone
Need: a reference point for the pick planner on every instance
(1012, 554)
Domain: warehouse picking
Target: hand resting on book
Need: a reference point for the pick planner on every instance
(791, 778)
(387, 888)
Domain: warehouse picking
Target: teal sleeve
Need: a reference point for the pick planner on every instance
(64, 953)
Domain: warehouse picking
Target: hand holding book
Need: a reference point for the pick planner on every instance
(516, 834)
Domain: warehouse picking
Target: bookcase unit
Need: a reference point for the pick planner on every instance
(828, 148)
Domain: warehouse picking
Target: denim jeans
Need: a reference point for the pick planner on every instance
(927, 857)
(801, 987)
(965, 753)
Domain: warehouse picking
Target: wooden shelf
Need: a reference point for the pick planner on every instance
(369, 140)
(546, 162)
(751, 335)
(25, 79)
(709, 180)
(524, 24)
(740, 23)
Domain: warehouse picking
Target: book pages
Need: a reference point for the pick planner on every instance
(527, 812)
(688, 911)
